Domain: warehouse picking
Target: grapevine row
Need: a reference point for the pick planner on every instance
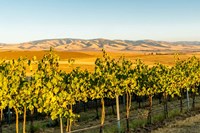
(53, 91)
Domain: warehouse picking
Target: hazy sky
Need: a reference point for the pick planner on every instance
(169, 20)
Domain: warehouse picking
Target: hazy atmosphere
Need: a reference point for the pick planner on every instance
(167, 20)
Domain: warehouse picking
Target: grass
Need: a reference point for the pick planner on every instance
(138, 123)
(38, 127)
(138, 117)
(87, 119)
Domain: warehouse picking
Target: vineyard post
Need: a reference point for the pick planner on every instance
(52, 84)
(17, 120)
(148, 83)
(165, 105)
(102, 115)
(193, 100)
(128, 107)
(188, 101)
(61, 125)
(1, 121)
(149, 119)
(181, 102)
(106, 69)
(70, 120)
(118, 113)
(128, 84)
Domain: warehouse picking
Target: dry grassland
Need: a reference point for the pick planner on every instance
(86, 59)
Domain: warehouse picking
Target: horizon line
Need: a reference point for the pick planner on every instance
(45, 39)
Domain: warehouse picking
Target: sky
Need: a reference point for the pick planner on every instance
(167, 20)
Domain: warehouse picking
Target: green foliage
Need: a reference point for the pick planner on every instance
(107, 78)
(54, 92)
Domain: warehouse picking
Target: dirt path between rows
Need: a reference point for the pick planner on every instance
(189, 125)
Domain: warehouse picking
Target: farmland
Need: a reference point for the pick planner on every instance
(99, 66)
(56, 93)
(86, 59)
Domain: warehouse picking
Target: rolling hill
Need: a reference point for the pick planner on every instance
(69, 44)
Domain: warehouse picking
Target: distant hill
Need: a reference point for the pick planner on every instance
(69, 44)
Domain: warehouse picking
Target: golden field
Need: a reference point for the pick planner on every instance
(86, 59)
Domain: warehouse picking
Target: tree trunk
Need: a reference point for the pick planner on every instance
(1, 121)
(97, 111)
(124, 101)
(32, 131)
(188, 101)
(128, 107)
(24, 123)
(101, 129)
(61, 125)
(181, 104)
(102, 115)
(69, 121)
(112, 104)
(118, 114)
(193, 100)
(17, 117)
(150, 110)
(1, 114)
(67, 129)
(165, 106)
(84, 107)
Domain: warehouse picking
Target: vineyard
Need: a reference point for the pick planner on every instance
(50, 91)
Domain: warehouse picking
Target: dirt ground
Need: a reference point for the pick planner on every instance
(189, 125)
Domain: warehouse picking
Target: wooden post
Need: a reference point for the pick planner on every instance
(188, 101)
(17, 122)
(118, 114)
(193, 100)
(1, 121)
(61, 125)
(102, 115)
(24, 123)
(150, 110)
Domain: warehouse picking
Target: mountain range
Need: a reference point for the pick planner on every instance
(69, 44)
